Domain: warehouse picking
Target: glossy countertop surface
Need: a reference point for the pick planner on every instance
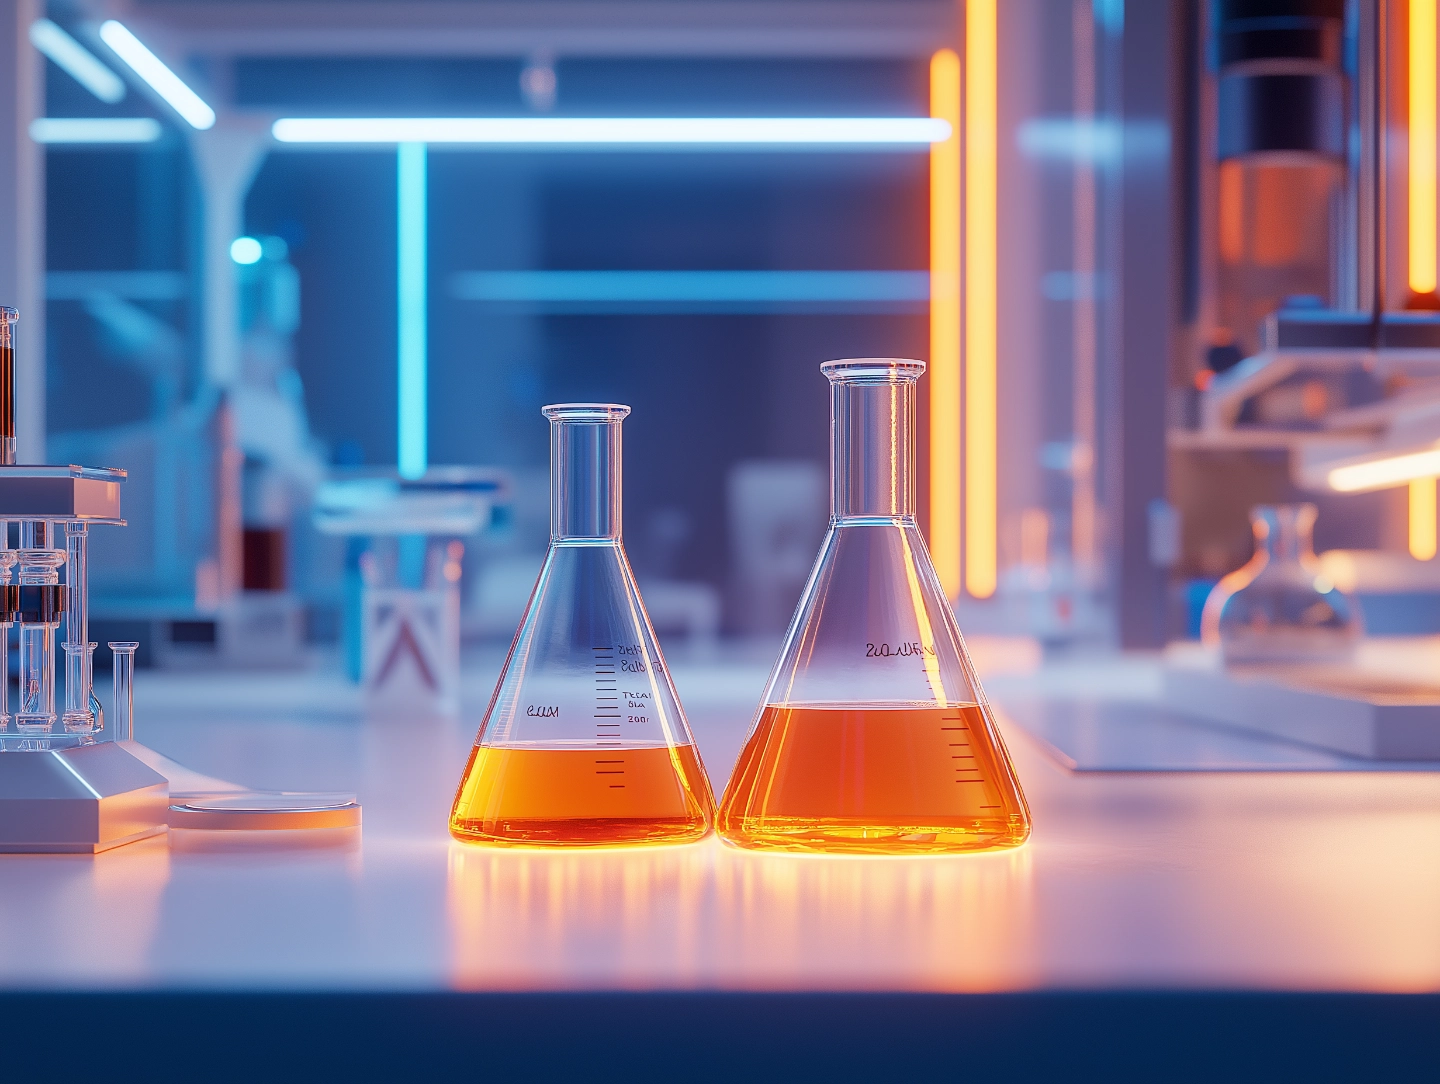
(1197, 880)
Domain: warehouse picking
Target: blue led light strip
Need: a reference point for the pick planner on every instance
(692, 286)
(916, 132)
(413, 438)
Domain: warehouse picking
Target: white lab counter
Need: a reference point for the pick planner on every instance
(1212, 885)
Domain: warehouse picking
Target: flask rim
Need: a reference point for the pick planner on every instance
(586, 412)
(873, 370)
(9, 314)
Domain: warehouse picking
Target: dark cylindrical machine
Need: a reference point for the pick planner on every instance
(1281, 93)
(1282, 82)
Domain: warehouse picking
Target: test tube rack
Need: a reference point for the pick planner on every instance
(76, 789)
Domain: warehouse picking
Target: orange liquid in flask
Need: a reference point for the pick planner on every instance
(878, 780)
(578, 797)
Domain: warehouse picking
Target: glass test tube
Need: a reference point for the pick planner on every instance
(9, 603)
(79, 717)
(39, 568)
(8, 316)
(79, 664)
(123, 653)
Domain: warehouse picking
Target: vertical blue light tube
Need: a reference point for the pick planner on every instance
(412, 217)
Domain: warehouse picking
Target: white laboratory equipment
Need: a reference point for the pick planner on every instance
(68, 782)
(405, 551)
(63, 788)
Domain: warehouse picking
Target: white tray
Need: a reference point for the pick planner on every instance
(1351, 709)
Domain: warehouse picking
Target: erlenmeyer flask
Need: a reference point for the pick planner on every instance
(1280, 607)
(873, 735)
(584, 742)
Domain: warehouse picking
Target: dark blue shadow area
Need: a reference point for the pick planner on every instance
(996, 1038)
(336, 210)
(337, 86)
(709, 389)
(113, 210)
(716, 86)
(586, 86)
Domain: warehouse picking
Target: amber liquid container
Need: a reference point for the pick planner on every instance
(584, 743)
(873, 735)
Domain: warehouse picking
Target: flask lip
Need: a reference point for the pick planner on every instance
(9, 314)
(586, 412)
(873, 370)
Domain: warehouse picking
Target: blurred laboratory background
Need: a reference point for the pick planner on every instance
(1155, 259)
(309, 270)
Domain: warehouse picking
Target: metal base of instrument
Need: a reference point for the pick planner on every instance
(81, 800)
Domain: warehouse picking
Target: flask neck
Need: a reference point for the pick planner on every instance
(1285, 532)
(872, 447)
(584, 478)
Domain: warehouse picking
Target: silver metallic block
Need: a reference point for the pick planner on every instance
(80, 800)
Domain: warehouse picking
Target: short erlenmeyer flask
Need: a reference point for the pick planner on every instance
(1280, 607)
(873, 734)
(584, 742)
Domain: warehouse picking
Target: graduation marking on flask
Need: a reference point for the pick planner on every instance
(966, 771)
(607, 707)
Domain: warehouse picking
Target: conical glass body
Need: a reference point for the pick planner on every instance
(584, 742)
(873, 735)
(1280, 607)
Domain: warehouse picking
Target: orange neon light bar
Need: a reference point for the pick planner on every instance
(945, 422)
(1422, 519)
(981, 62)
(1422, 146)
(1422, 270)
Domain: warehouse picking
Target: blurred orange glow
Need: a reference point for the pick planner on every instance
(945, 324)
(1422, 149)
(981, 62)
(1231, 208)
(708, 915)
(1422, 519)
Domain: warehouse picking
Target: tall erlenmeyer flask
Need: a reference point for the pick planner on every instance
(873, 734)
(584, 742)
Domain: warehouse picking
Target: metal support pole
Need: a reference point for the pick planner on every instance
(1138, 376)
(22, 215)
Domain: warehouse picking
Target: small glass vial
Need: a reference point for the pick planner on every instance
(9, 604)
(39, 568)
(123, 653)
(79, 717)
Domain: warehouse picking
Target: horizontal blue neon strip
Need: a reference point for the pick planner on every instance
(692, 286)
(917, 132)
(87, 130)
